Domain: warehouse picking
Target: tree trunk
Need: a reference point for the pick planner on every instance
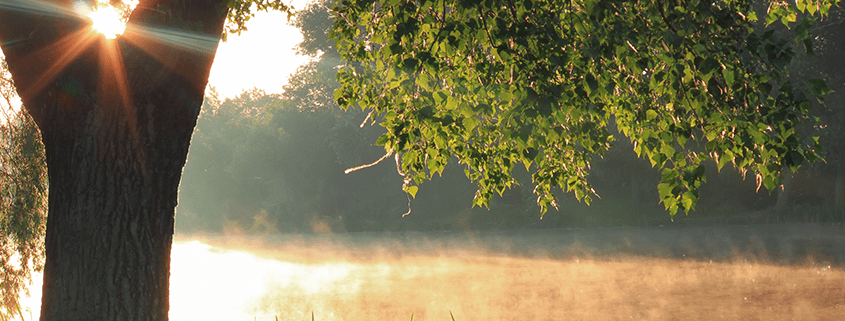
(116, 119)
(783, 193)
(839, 189)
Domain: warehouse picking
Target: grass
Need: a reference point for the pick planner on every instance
(412, 316)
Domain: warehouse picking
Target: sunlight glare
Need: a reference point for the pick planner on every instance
(106, 20)
(210, 283)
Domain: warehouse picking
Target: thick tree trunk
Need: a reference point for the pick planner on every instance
(110, 220)
(116, 119)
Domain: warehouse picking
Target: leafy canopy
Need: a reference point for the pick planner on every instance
(546, 84)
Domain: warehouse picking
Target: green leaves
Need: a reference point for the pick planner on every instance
(23, 204)
(540, 82)
(819, 87)
(240, 11)
(729, 77)
(812, 7)
(412, 190)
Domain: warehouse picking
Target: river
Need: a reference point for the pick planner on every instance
(767, 272)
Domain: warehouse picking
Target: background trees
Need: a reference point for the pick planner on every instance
(23, 198)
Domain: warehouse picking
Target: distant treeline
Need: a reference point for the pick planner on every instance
(259, 163)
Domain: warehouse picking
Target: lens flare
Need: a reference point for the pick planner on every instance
(106, 20)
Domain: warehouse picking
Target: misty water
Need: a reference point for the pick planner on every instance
(768, 272)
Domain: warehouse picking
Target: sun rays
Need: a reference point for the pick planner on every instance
(106, 20)
(62, 67)
(105, 29)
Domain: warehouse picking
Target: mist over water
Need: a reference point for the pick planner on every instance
(770, 272)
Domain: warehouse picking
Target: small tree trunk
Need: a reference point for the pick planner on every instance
(839, 189)
(783, 193)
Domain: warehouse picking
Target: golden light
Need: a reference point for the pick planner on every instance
(106, 20)
(290, 277)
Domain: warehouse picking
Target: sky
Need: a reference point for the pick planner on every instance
(262, 57)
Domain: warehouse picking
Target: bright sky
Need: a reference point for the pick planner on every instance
(262, 57)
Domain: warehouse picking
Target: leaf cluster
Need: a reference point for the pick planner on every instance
(241, 11)
(541, 83)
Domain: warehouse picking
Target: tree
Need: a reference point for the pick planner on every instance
(23, 199)
(116, 118)
(208, 186)
(539, 83)
(263, 163)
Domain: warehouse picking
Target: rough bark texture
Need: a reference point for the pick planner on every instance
(116, 119)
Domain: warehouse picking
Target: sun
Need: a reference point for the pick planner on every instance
(106, 20)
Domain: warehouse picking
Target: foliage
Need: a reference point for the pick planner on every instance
(313, 84)
(315, 23)
(285, 171)
(282, 171)
(825, 64)
(540, 83)
(223, 126)
(261, 163)
(241, 11)
(238, 12)
(23, 199)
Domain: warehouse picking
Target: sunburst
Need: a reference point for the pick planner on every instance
(106, 20)
(110, 21)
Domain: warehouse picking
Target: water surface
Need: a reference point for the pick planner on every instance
(772, 272)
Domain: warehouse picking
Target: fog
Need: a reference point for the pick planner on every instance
(768, 272)
(737, 272)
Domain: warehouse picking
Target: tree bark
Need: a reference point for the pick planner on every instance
(116, 118)
(839, 189)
